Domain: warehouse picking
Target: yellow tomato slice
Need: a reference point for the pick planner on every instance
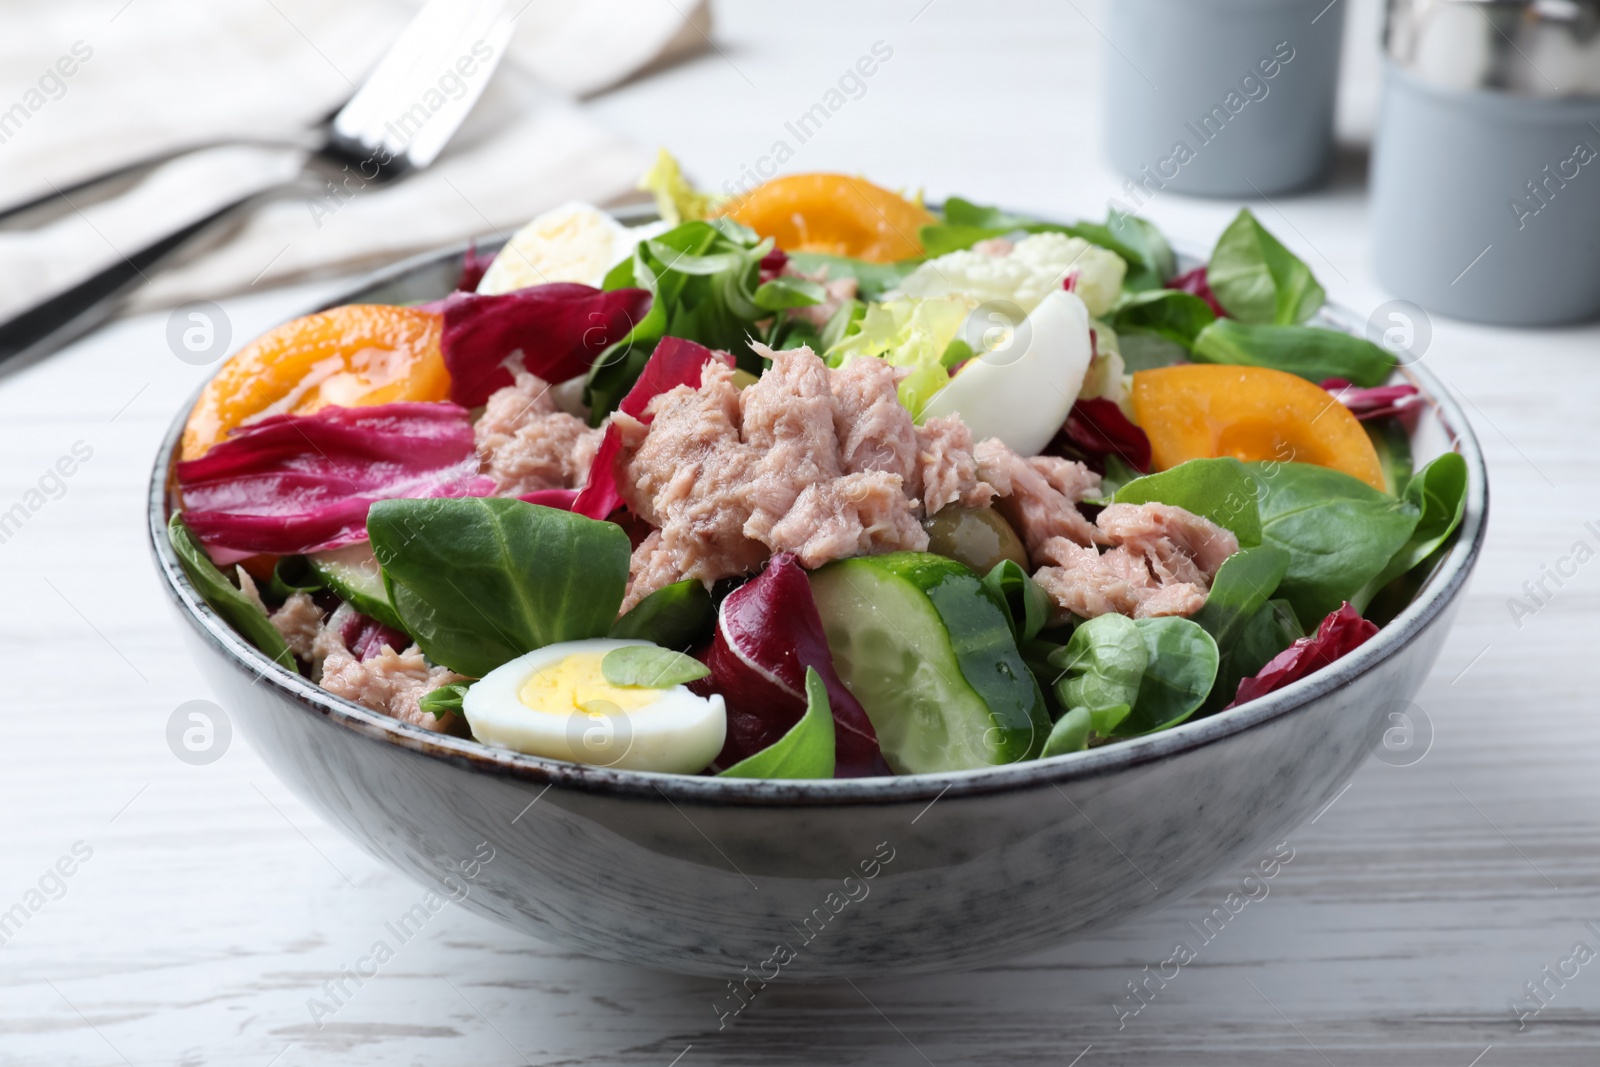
(352, 356)
(1202, 411)
(836, 214)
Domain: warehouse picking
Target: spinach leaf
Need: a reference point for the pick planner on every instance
(1339, 531)
(1243, 585)
(1393, 445)
(806, 751)
(1182, 665)
(1219, 489)
(445, 699)
(1102, 665)
(1308, 351)
(480, 581)
(1147, 253)
(1239, 616)
(1266, 633)
(649, 667)
(1177, 317)
(872, 279)
(1258, 280)
(1027, 604)
(678, 616)
(224, 598)
(1439, 492)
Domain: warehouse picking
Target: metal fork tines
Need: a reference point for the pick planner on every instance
(397, 123)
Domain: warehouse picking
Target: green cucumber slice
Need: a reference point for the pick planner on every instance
(929, 653)
(353, 573)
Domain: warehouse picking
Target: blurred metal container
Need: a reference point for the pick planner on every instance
(1486, 163)
(1221, 97)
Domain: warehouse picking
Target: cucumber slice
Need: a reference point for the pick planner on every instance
(929, 653)
(353, 573)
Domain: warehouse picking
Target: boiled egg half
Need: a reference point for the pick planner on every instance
(556, 702)
(1026, 373)
(575, 242)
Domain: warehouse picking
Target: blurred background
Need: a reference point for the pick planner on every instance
(207, 905)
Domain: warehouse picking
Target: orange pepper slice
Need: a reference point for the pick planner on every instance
(835, 214)
(353, 356)
(1203, 411)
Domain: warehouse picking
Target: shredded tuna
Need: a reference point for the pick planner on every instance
(836, 292)
(823, 463)
(1038, 496)
(1161, 562)
(390, 682)
(525, 444)
(299, 620)
(946, 469)
(857, 515)
(874, 429)
(1177, 545)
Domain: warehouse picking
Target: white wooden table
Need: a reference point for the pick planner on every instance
(212, 904)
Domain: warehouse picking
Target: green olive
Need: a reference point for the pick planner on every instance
(978, 537)
(743, 379)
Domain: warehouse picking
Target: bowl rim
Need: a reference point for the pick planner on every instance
(1448, 579)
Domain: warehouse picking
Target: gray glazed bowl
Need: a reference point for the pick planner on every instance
(756, 880)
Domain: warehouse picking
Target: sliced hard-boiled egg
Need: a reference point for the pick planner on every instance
(1025, 376)
(575, 242)
(556, 702)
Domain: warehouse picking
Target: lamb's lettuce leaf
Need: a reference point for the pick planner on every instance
(806, 751)
(480, 581)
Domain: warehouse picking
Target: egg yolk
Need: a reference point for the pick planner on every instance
(567, 686)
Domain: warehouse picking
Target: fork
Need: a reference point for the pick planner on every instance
(396, 124)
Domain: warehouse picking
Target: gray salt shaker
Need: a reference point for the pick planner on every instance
(1220, 97)
(1486, 163)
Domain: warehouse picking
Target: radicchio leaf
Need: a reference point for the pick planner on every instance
(768, 633)
(473, 268)
(674, 362)
(294, 484)
(1098, 428)
(1195, 283)
(1341, 632)
(556, 331)
(772, 264)
(365, 637)
(1375, 403)
(561, 499)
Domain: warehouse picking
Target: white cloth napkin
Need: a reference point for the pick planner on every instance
(94, 83)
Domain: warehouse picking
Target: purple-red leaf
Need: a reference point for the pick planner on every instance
(1098, 428)
(1341, 632)
(674, 362)
(768, 633)
(473, 268)
(1375, 403)
(1195, 283)
(291, 484)
(365, 637)
(554, 330)
(563, 499)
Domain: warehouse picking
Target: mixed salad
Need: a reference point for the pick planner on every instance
(814, 482)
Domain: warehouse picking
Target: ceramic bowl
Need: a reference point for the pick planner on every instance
(769, 880)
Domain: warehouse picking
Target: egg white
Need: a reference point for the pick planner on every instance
(575, 242)
(1024, 399)
(680, 733)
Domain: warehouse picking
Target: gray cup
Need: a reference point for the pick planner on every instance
(1486, 166)
(1221, 97)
